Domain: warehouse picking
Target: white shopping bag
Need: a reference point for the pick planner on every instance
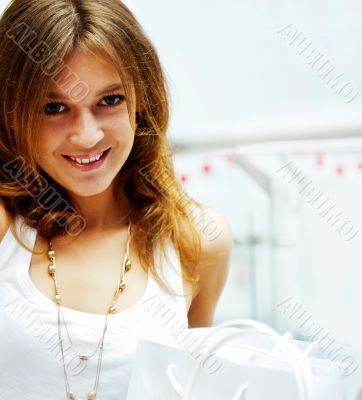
(258, 364)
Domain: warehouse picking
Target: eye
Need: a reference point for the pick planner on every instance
(112, 100)
(53, 108)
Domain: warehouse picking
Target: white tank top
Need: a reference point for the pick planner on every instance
(31, 364)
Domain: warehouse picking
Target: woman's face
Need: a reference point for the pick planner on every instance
(84, 128)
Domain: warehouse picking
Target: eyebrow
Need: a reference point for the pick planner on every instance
(114, 86)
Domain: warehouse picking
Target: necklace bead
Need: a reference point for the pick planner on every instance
(128, 265)
(122, 285)
(112, 309)
(51, 269)
(91, 395)
(71, 395)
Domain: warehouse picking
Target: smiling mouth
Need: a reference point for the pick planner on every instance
(86, 161)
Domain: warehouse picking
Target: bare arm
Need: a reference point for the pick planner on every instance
(217, 243)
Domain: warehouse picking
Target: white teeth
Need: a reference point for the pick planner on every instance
(87, 160)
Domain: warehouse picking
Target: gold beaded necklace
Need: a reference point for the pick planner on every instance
(112, 309)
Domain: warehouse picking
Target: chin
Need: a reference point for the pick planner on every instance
(87, 191)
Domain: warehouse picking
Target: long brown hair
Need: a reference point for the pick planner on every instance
(36, 37)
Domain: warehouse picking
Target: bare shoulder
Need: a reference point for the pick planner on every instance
(213, 268)
(215, 230)
(216, 247)
(5, 220)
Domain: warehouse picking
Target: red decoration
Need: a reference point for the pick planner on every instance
(359, 165)
(230, 157)
(184, 178)
(340, 170)
(320, 159)
(206, 168)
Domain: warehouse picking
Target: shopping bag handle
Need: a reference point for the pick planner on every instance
(297, 360)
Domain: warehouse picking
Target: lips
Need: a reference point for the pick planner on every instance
(88, 166)
(86, 156)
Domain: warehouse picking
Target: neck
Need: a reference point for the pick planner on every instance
(103, 211)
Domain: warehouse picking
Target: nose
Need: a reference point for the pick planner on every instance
(86, 132)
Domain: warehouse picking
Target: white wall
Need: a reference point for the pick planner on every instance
(233, 77)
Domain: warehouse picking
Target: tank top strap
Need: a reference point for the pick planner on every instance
(9, 246)
(171, 270)
(165, 308)
(26, 233)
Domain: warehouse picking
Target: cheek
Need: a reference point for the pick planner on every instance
(121, 119)
(120, 129)
(48, 141)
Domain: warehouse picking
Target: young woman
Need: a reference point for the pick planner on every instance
(96, 233)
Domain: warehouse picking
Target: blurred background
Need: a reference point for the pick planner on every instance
(266, 122)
